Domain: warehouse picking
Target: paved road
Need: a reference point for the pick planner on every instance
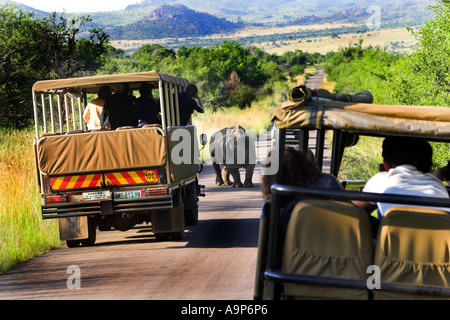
(216, 260)
(315, 81)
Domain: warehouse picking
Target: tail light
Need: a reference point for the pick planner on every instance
(156, 191)
(57, 198)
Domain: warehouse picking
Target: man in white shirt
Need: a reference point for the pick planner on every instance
(94, 109)
(401, 157)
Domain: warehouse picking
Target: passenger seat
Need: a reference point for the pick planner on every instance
(327, 239)
(413, 247)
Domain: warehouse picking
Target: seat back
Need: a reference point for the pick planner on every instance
(327, 239)
(413, 247)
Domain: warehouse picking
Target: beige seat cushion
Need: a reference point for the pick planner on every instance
(327, 239)
(413, 247)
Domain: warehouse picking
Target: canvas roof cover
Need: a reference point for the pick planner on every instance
(91, 84)
(315, 109)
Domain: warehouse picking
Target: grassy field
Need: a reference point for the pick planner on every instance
(395, 39)
(23, 233)
(257, 117)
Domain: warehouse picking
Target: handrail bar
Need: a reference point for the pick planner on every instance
(361, 196)
(357, 284)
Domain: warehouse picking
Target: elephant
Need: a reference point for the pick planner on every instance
(233, 148)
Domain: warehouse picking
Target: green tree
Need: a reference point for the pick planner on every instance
(20, 40)
(244, 96)
(430, 63)
(70, 53)
(211, 69)
(33, 49)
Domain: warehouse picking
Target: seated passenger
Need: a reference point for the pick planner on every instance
(400, 159)
(443, 173)
(94, 109)
(147, 107)
(120, 110)
(297, 171)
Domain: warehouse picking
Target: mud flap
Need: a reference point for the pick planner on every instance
(170, 223)
(167, 221)
(73, 228)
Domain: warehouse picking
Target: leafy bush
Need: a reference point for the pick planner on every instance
(420, 78)
(33, 49)
(226, 74)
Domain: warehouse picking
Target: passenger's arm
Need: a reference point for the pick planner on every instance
(201, 109)
(442, 173)
(367, 206)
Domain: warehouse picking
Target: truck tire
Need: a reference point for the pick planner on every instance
(191, 204)
(177, 210)
(73, 243)
(90, 241)
(191, 216)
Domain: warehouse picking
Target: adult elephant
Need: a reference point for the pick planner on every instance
(233, 148)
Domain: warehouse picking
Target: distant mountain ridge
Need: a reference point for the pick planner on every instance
(173, 21)
(155, 19)
(255, 11)
(396, 13)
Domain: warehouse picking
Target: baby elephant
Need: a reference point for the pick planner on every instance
(233, 148)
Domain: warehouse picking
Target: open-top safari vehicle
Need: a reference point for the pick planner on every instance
(114, 178)
(328, 251)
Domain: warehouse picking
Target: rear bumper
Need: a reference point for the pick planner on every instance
(108, 207)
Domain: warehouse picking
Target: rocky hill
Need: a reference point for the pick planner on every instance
(173, 21)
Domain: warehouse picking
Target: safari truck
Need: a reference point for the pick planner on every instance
(328, 251)
(114, 178)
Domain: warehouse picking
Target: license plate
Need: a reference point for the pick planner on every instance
(96, 195)
(128, 194)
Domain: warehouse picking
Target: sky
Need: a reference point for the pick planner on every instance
(78, 5)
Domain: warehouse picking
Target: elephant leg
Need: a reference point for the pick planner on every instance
(219, 180)
(226, 176)
(236, 178)
(249, 169)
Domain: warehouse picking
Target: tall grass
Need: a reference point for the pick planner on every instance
(361, 161)
(23, 233)
(254, 119)
(257, 117)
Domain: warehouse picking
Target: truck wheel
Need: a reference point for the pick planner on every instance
(73, 243)
(191, 205)
(90, 241)
(191, 216)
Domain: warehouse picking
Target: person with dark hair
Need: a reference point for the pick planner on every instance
(147, 107)
(299, 171)
(443, 173)
(120, 109)
(424, 156)
(93, 111)
(187, 103)
(401, 158)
